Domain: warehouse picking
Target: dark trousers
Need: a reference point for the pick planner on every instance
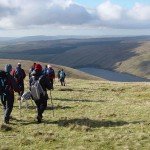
(7, 102)
(21, 88)
(51, 80)
(41, 106)
(62, 81)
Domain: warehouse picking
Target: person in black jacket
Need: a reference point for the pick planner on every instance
(7, 98)
(31, 70)
(20, 76)
(46, 84)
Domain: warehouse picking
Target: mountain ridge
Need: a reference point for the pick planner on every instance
(122, 54)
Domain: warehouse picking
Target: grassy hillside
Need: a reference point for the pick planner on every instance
(128, 54)
(89, 115)
(138, 64)
(73, 73)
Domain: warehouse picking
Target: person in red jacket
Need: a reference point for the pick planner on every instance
(41, 103)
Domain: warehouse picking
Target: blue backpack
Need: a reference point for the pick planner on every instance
(62, 74)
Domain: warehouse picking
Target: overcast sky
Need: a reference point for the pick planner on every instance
(74, 17)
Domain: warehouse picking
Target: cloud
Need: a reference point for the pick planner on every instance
(66, 13)
(43, 12)
(109, 11)
(140, 12)
(115, 16)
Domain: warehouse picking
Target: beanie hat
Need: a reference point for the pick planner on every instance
(8, 68)
(49, 66)
(38, 67)
(19, 64)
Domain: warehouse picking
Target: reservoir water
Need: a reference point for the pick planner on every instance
(113, 76)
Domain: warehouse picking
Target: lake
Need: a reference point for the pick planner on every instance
(113, 76)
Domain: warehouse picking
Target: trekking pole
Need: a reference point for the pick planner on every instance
(20, 108)
(20, 105)
(52, 102)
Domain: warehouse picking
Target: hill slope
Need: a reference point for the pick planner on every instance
(128, 54)
(73, 73)
(88, 115)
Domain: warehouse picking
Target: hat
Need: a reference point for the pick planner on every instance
(38, 67)
(19, 64)
(8, 67)
(49, 66)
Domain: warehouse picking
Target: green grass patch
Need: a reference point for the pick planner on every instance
(87, 115)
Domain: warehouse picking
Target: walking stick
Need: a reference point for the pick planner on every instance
(20, 102)
(20, 108)
(52, 102)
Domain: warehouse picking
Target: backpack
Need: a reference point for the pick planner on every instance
(62, 74)
(19, 74)
(36, 89)
(4, 83)
(50, 73)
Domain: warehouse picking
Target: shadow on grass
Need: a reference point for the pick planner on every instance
(66, 89)
(77, 100)
(25, 122)
(82, 122)
(93, 123)
(24, 107)
(75, 90)
(58, 107)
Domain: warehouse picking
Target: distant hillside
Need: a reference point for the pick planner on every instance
(73, 73)
(123, 54)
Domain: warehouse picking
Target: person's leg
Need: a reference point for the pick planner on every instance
(64, 82)
(9, 108)
(41, 106)
(38, 110)
(61, 81)
(21, 88)
(51, 80)
(3, 101)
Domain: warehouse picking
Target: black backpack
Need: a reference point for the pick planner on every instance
(4, 83)
(19, 74)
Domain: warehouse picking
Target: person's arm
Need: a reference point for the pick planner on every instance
(47, 83)
(30, 81)
(54, 74)
(24, 74)
(14, 85)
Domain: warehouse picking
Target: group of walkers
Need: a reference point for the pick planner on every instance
(40, 80)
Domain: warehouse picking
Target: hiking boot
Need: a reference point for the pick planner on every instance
(10, 117)
(6, 121)
(39, 119)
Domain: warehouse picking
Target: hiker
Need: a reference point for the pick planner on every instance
(51, 74)
(12, 72)
(8, 86)
(20, 76)
(31, 70)
(39, 82)
(58, 75)
(45, 70)
(62, 75)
